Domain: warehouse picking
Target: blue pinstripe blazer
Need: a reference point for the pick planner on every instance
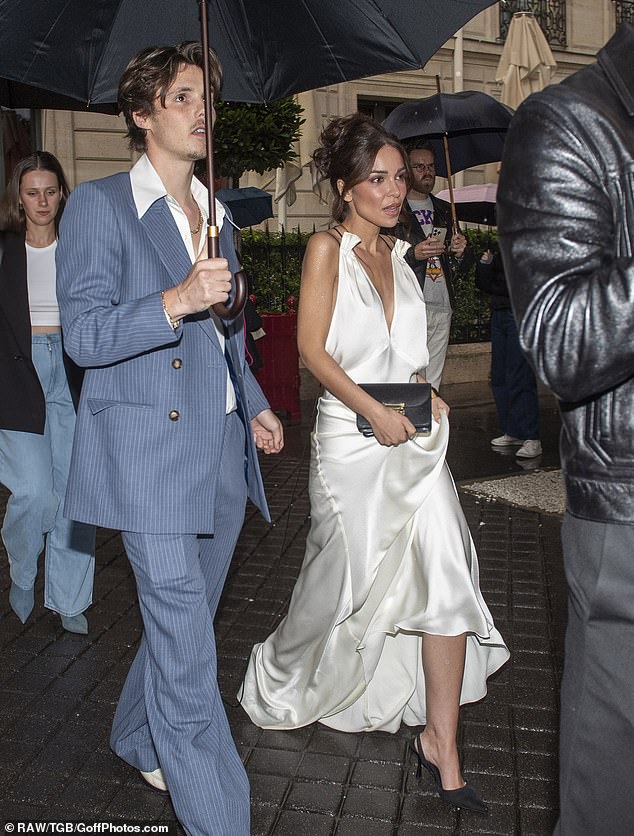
(150, 422)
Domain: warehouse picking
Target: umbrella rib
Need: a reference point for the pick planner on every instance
(45, 40)
(24, 78)
(370, 20)
(395, 32)
(318, 28)
(50, 29)
(108, 30)
(230, 32)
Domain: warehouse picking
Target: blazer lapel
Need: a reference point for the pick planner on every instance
(166, 240)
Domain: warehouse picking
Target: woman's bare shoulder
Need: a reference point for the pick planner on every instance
(324, 242)
(322, 251)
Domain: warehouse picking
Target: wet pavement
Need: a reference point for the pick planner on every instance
(58, 691)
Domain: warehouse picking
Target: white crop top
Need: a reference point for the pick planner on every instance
(40, 279)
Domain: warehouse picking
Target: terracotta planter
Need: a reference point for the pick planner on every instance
(279, 375)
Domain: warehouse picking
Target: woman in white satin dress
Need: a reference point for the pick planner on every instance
(386, 622)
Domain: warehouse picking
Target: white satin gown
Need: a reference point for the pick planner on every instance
(389, 555)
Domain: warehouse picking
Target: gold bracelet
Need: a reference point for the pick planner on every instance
(434, 392)
(173, 322)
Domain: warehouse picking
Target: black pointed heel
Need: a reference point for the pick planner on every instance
(465, 797)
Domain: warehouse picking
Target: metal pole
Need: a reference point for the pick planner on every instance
(445, 140)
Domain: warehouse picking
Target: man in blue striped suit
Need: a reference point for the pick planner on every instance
(167, 428)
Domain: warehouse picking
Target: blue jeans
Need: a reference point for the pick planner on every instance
(35, 469)
(512, 379)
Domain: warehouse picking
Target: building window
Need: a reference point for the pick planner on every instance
(624, 11)
(550, 14)
(378, 109)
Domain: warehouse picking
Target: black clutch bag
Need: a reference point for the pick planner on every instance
(410, 399)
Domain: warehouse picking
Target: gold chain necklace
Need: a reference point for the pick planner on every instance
(199, 224)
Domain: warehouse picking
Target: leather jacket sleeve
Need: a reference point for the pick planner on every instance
(563, 225)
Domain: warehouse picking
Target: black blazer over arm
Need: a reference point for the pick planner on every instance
(21, 397)
(22, 403)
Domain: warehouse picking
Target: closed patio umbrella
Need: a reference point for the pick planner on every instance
(526, 62)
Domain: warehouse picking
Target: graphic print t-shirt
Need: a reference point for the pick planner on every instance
(435, 288)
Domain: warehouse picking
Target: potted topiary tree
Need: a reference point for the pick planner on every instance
(274, 260)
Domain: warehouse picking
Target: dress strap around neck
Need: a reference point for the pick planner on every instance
(389, 240)
(339, 233)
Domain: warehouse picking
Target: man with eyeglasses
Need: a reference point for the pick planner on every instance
(436, 255)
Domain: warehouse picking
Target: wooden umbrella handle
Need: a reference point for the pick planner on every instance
(454, 216)
(240, 286)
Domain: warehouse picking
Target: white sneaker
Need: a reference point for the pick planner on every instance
(529, 449)
(155, 779)
(505, 441)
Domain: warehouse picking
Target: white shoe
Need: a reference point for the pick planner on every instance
(529, 449)
(505, 441)
(155, 779)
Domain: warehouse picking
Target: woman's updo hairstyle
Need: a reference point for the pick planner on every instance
(347, 150)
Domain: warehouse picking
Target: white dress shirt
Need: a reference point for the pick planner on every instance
(147, 188)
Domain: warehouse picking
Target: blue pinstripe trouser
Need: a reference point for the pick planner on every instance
(170, 713)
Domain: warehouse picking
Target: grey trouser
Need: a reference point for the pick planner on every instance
(597, 693)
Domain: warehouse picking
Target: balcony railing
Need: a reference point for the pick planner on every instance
(624, 11)
(550, 14)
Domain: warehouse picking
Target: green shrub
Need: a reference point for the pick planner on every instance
(472, 316)
(273, 261)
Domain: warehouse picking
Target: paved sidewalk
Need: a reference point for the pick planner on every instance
(58, 691)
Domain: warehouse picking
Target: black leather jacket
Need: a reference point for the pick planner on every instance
(566, 228)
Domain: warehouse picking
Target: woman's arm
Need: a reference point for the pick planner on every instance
(438, 405)
(316, 305)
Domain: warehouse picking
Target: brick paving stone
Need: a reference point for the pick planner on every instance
(58, 692)
(262, 819)
(317, 766)
(363, 827)
(268, 790)
(371, 803)
(300, 823)
(315, 797)
(377, 774)
(273, 761)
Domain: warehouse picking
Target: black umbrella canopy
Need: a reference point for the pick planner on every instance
(77, 49)
(474, 123)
